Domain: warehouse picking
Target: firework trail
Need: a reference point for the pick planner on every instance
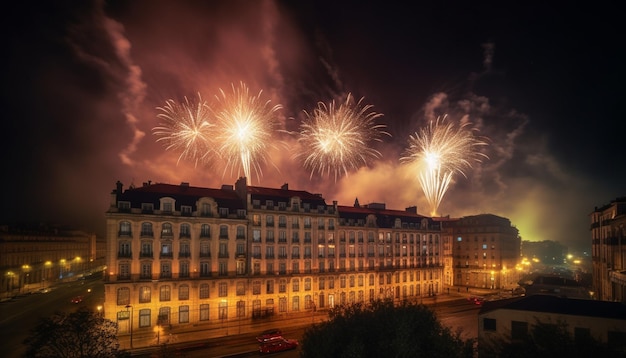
(438, 152)
(335, 140)
(186, 127)
(246, 125)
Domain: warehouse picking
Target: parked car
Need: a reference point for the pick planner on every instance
(269, 335)
(477, 300)
(278, 345)
(77, 299)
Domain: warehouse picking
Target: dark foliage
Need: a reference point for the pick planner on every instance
(79, 334)
(383, 329)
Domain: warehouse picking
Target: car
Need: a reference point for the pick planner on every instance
(269, 335)
(477, 300)
(77, 299)
(278, 345)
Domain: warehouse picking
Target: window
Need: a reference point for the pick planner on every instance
(165, 293)
(223, 289)
(307, 284)
(144, 294)
(223, 310)
(146, 229)
(166, 230)
(295, 284)
(204, 312)
(144, 318)
(146, 270)
(183, 292)
(241, 288)
(123, 296)
(205, 230)
(204, 291)
(489, 324)
(519, 330)
(223, 232)
(125, 228)
(295, 303)
(256, 287)
(269, 286)
(241, 232)
(183, 314)
(241, 308)
(164, 316)
(185, 230)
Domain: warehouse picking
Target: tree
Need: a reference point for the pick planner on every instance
(382, 329)
(82, 333)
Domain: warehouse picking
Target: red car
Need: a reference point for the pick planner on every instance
(278, 345)
(77, 299)
(269, 335)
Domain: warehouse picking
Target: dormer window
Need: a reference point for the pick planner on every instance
(123, 206)
(223, 212)
(269, 204)
(147, 207)
(167, 205)
(185, 210)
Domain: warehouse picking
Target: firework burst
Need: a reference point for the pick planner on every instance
(246, 125)
(186, 127)
(335, 140)
(438, 152)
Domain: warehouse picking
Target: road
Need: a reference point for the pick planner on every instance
(21, 314)
(456, 312)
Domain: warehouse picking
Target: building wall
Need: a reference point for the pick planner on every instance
(295, 259)
(599, 327)
(608, 246)
(33, 257)
(485, 250)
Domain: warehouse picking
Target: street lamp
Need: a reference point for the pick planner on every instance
(129, 307)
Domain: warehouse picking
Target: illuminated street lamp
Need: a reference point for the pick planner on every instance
(25, 279)
(99, 308)
(46, 269)
(129, 307)
(158, 329)
(10, 275)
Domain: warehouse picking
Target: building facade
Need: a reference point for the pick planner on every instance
(486, 251)
(608, 250)
(512, 319)
(181, 255)
(33, 257)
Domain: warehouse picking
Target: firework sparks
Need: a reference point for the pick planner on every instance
(438, 152)
(186, 128)
(335, 140)
(246, 125)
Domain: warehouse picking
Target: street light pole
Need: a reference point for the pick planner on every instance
(131, 324)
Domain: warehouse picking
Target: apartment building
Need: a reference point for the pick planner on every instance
(182, 255)
(486, 251)
(35, 256)
(608, 250)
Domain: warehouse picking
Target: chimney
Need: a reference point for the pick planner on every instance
(285, 186)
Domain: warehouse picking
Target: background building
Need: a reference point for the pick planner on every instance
(486, 251)
(512, 319)
(33, 257)
(608, 250)
(182, 255)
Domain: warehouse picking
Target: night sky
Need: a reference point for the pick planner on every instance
(82, 82)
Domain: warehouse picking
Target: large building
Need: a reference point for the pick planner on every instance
(34, 256)
(608, 247)
(182, 255)
(485, 250)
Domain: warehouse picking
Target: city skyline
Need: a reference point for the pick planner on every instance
(85, 83)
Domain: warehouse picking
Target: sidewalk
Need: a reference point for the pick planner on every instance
(148, 339)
